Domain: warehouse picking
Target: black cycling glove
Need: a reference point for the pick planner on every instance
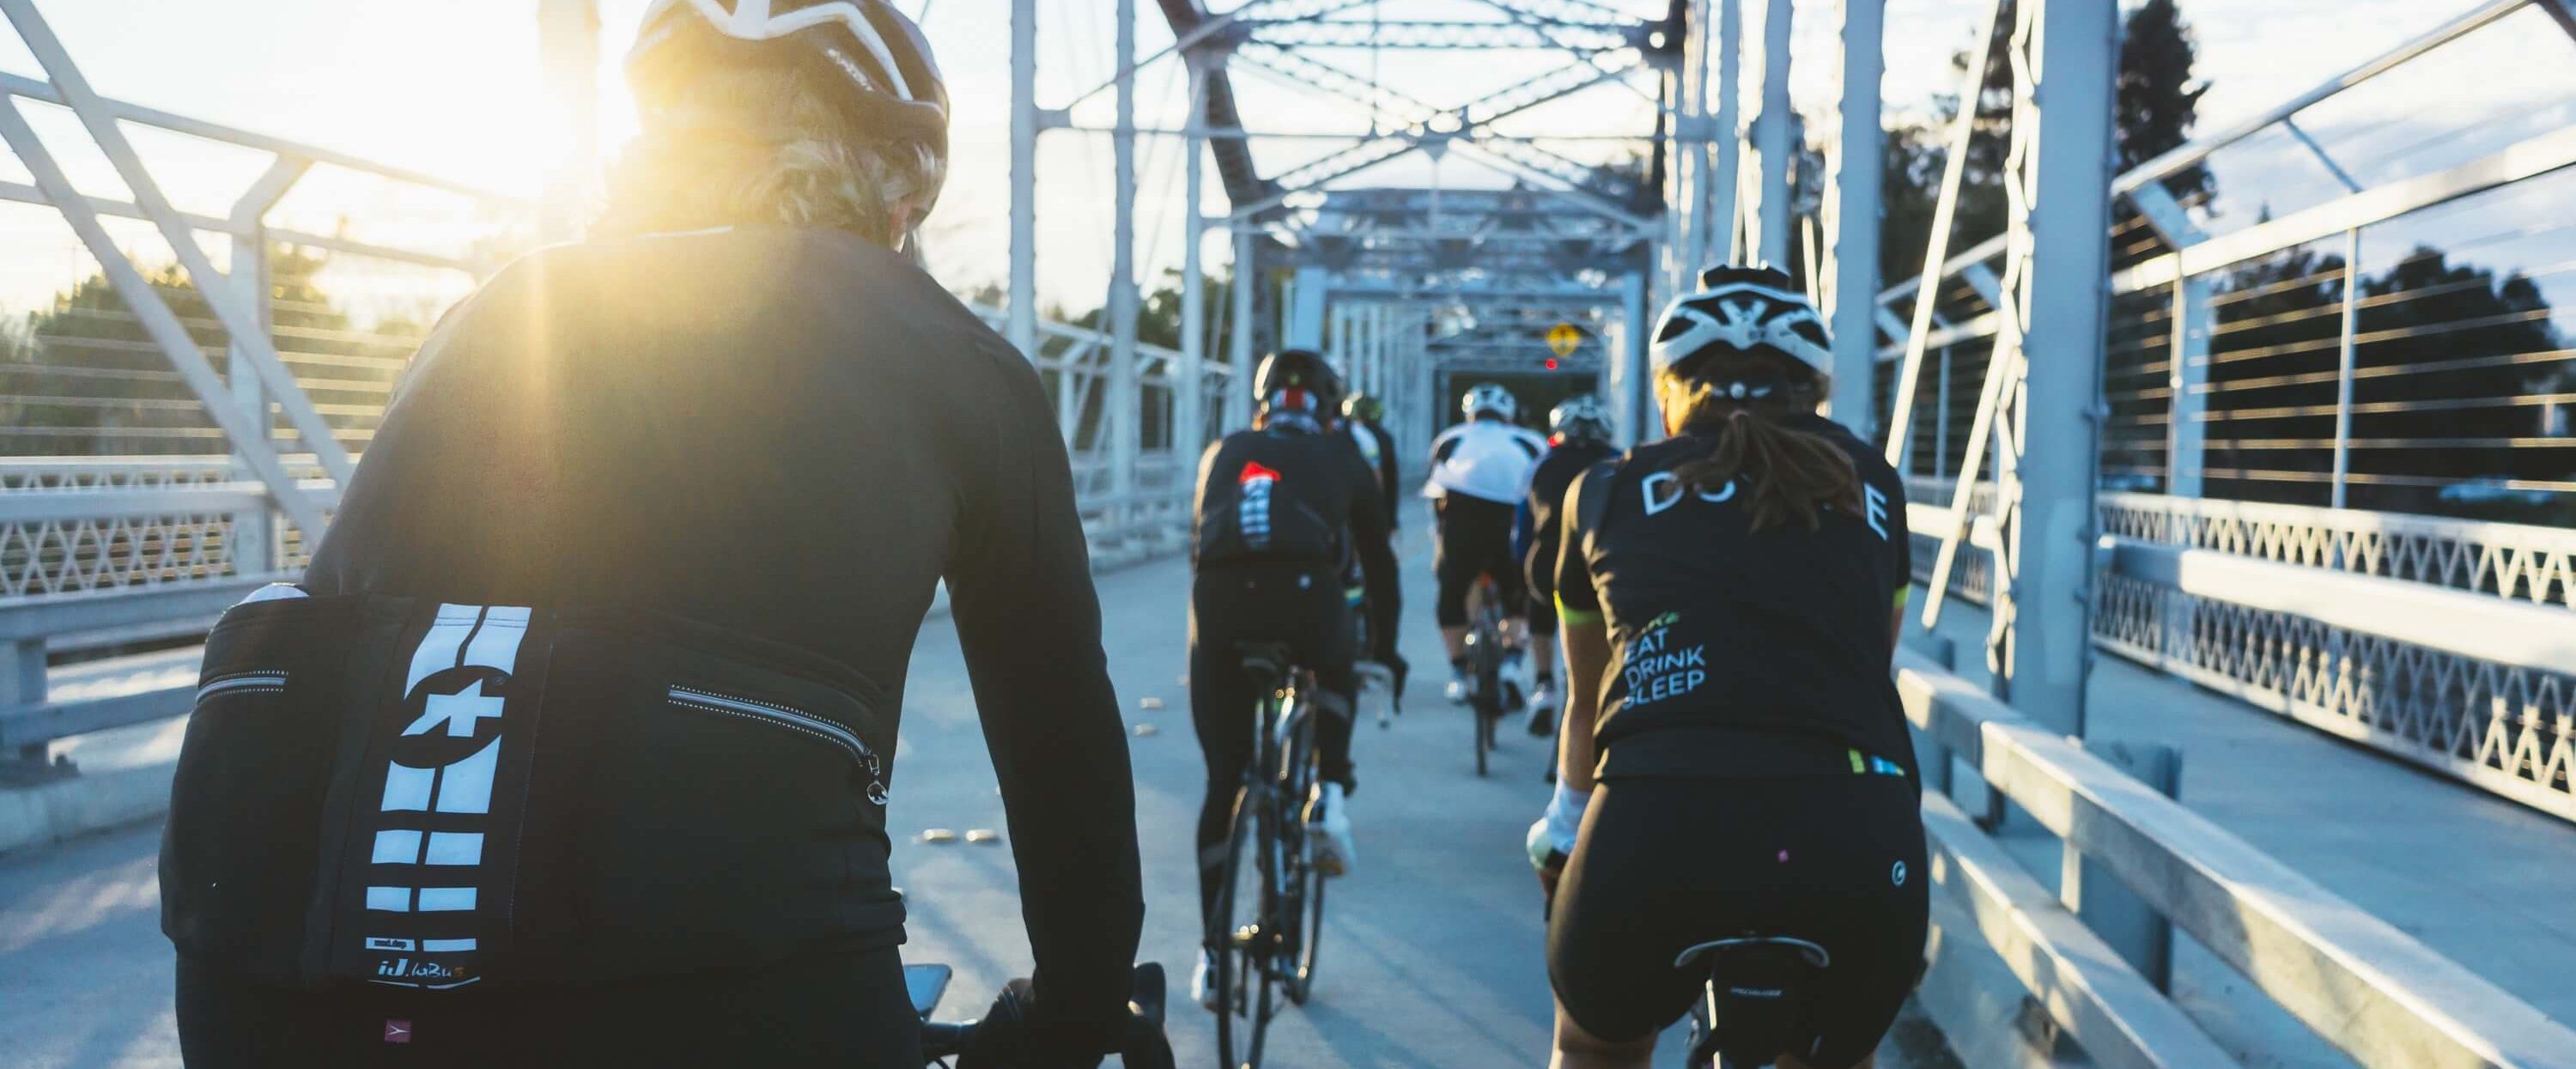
(1011, 1036)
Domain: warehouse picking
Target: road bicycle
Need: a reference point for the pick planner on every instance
(1493, 691)
(1269, 912)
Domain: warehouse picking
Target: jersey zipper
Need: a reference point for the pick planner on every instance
(240, 682)
(782, 716)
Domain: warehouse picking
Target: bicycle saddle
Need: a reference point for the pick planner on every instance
(1272, 658)
(1758, 991)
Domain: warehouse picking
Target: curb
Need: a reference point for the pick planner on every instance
(50, 813)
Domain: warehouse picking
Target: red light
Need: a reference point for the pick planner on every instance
(1551, 363)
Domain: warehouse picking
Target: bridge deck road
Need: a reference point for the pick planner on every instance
(1431, 954)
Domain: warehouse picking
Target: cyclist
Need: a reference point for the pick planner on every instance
(1479, 471)
(653, 523)
(1728, 598)
(1580, 439)
(1278, 507)
(1364, 423)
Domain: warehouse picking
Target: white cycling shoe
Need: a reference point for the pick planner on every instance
(1203, 982)
(1329, 815)
(1460, 687)
(1543, 708)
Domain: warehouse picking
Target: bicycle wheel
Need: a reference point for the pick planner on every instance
(1488, 658)
(1301, 886)
(1236, 929)
(1263, 961)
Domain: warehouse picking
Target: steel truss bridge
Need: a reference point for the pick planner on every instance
(2139, 420)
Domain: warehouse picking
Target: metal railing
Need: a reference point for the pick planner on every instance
(2447, 643)
(2372, 991)
(119, 525)
(2380, 340)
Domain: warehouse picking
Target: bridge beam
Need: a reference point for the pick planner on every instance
(1772, 140)
(2058, 254)
(1853, 211)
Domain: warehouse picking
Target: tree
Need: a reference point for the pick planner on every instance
(87, 380)
(2157, 104)
(2445, 388)
(2159, 100)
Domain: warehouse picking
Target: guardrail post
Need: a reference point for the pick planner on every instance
(22, 684)
(2109, 907)
(254, 534)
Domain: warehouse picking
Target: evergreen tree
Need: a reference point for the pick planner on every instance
(88, 380)
(2159, 100)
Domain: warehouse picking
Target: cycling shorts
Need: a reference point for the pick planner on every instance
(1475, 539)
(1667, 863)
(829, 1010)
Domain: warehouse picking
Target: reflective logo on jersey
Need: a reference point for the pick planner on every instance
(1253, 512)
(1653, 670)
(437, 798)
(1663, 490)
(1874, 509)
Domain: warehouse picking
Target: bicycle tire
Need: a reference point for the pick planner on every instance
(1303, 886)
(1234, 951)
(1487, 705)
(1262, 971)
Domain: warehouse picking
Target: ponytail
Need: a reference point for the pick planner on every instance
(1794, 474)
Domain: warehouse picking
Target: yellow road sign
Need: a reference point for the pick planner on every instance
(1564, 338)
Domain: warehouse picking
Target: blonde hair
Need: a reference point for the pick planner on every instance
(1794, 474)
(759, 145)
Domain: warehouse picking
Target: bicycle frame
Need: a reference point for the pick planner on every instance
(1271, 952)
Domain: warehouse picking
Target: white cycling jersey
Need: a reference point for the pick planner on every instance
(1484, 459)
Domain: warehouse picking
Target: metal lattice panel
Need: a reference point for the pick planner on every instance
(107, 473)
(2511, 730)
(2536, 564)
(82, 556)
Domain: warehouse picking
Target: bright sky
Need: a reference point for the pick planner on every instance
(451, 88)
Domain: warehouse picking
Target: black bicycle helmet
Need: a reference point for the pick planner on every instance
(877, 58)
(1298, 380)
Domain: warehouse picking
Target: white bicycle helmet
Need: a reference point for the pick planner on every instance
(1739, 309)
(1581, 418)
(1487, 397)
(891, 87)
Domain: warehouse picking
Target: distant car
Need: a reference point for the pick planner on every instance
(2493, 491)
(2130, 482)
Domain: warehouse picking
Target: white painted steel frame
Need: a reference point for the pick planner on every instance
(2371, 990)
(239, 321)
(2116, 1015)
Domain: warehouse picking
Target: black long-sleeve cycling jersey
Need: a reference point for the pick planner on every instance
(1549, 481)
(1377, 448)
(792, 435)
(1714, 625)
(1283, 495)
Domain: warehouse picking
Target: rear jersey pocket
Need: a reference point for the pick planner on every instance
(787, 719)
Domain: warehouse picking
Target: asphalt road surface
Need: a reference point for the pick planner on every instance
(1432, 950)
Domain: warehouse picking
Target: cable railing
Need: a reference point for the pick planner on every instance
(2392, 340)
(173, 435)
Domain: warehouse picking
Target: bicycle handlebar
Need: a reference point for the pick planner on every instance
(1143, 1047)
